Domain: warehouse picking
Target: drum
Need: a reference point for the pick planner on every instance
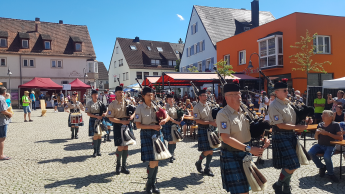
(76, 118)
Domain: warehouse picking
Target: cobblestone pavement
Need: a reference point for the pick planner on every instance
(46, 160)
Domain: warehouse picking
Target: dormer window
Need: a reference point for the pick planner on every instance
(3, 38)
(159, 49)
(78, 47)
(77, 43)
(47, 45)
(25, 44)
(133, 47)
(25, 39)
(148, 48)
(47, 40)
(177, 52)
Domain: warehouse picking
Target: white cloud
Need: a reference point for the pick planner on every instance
(180, 16)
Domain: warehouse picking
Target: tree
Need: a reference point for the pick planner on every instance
(304, 57)
(177, 67)
(180, 41)
(193, 69)
(224, 69)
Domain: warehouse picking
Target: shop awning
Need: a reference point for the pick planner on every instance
(183, 79)
(79, 85)
(41, 83)
(150, 80)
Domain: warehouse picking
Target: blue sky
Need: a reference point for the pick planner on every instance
(148, 19)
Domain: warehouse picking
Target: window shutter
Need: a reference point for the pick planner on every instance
(187, 52)
(198, 47)
(203, 45)
(204, 66)
(191, 28)
(196, 27)
(192, 50)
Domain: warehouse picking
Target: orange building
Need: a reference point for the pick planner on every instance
(272, 42)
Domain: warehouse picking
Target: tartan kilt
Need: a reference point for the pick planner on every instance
(92, 126)
(284, 150)
(233, 177)
(166, 130)
(70, 125)
(147, 144)
(117, 134)
(203, 144)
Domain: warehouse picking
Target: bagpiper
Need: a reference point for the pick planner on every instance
(74, 106)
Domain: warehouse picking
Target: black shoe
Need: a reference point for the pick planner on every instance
(277, 189)
(322, 171)
(148, 188)
(99, 154)
(198, 167)
(94, 154)
(105, 139)
(334, 178)
(287, 190)
(76, 136)
(173, 157)
(171, 160)
(108, 138)
(208, 172)
(155, 189)
(124, 170)
(118, 169)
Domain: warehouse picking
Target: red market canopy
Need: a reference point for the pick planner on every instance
(150, 80)
(183, 79)
(79, 85)
(42, 83)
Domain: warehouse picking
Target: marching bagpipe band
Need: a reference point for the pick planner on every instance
(159, 149)
(258, 126)
(213, 138)
(302, 113)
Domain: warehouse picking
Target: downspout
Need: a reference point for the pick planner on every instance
(20, 71)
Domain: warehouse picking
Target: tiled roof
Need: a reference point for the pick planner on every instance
(60, 35)
(177, 47)
(141, 57)
(222, 23)
(102, 71)
(3, 34)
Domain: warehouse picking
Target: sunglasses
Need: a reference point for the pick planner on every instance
(284, 90)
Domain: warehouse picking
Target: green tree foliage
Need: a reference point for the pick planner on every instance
(224, 69)
(177, 67)
(193, 69)
(303, 58)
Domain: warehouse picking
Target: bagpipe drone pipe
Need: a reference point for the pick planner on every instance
(302, 111)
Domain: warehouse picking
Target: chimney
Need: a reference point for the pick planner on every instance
(255, 13)
(60, 21)
(37, 21)
(136, 39)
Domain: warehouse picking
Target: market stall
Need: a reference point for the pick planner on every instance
(80, 87)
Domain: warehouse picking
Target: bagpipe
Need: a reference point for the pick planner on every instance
(175, 133)
(256, 179)
(100, 128)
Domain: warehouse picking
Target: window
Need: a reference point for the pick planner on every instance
(2, 62)
(184, 69)
(139, 75)
(114, 64)
(148, 48)
(196, 47)
(127, 77)
(202, 46)
(120, 62)
(155, 62)
(53, 63)
(208, 62)
(242, 57)
(93, 67)
(59, 63)
(56, 63)
(3, 42)
(117, 50)
(47, 45)
(133, 47)
(172, 63)
(271, 51)
(159, 49)
(64, 82)
(316, 79)
(177, 52)
(323, 44)
(200, 66)
(194, 28)
(124, 77)
(78, 47)
(227, 59)
(28, 63)
(146, 74)
(25, 43)
(155, 73)
(188, 52)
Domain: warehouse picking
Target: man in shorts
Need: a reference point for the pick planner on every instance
(5, 119)
(26, 106)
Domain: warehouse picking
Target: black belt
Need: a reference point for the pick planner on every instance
(231, 149)
(276, 129)
(74, 111)
(201, 125)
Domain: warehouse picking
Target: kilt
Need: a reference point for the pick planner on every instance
(117, 134)
(284, 150)
(92, 126)
(147, 144)
(203, 144)
(233, 177)
(69, 122)
(166, 130)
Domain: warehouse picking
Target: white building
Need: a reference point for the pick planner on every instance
(135, 58)
(209, 25)
(58, 51)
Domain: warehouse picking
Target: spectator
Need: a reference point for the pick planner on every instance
(305, 97)
(5, 117)
(272, 97)
(62, 97)
(342, 127)
(338, 115)
(33, 100)
(26, 106)
(189, 104)
(41, 96)
(330, 131)
(256, 100)
(319, 104)
(8, 100)
(263, 102)
(55, 102)
(298, 96)
(339, 100)
(188, 122)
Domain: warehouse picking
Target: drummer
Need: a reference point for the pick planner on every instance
(74, 106)
(95, 110)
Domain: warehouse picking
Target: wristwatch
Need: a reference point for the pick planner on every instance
(248, 148)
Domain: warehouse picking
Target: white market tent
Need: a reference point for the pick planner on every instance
(334, 83)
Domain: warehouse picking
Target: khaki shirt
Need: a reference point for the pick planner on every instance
(171, 111)
(77, 105)
(203, 112)
(92, 107)
(145, 115)
(281, 112)
(233, 123)
(117, 109)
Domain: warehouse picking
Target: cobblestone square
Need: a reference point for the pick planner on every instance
(46, 160)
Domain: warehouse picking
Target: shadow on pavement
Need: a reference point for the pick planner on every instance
(66, 160)
(79, 146)
(83, 181)
(130, 152)
(53, 141)
(321, 183)
(182, 183)
(161, 163)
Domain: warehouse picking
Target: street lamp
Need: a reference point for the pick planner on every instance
(9, 73)
(85, 75)
(250, 65)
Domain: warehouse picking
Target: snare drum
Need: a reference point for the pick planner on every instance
(76, 118)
